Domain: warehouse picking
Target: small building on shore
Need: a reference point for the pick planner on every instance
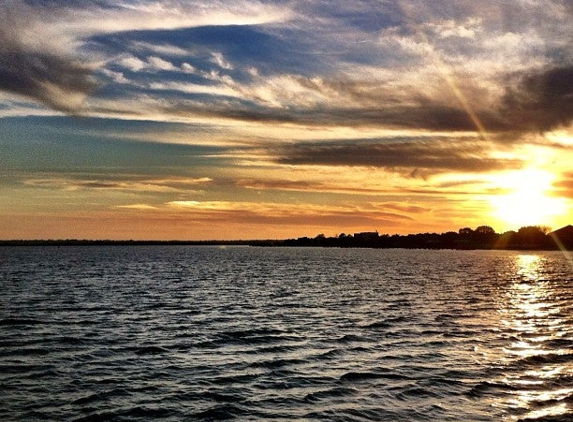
(366, 236)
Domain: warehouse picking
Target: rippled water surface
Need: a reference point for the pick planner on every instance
(203, 333)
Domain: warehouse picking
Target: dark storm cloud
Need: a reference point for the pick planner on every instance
(542, 100)
(29, 68)
(435, 156)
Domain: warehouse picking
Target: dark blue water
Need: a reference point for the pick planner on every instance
(127, 333)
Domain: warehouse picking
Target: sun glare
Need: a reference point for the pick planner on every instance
(527, 200)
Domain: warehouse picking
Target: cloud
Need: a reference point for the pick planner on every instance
(27, 68)
(564, 187)
(190, 88)
(452, 28)
(150, 64)
(308, 186)
(144, 207)
(43, 53)
(117, 77)
(132, 63)
(385, 100)
(395, 65)
(159, 49)
(526, 101)
(144, 15)
(60, 83)
(435, 155)
(542, 99)
(220, 61)
(188, 68)
(267, 106)
(135, 184)
(297, 214)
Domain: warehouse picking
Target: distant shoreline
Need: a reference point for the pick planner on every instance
(106, 242)
(483, 237)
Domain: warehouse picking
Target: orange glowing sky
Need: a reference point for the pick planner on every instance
(268, 119)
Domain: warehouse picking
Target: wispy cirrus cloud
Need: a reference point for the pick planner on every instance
(140, 207)
(307, 186)
(539, 100)
(126, 184)
(295, 214)
(30, 67)
(397, 65)
(159, 49)
(152, 64)
(43, 55)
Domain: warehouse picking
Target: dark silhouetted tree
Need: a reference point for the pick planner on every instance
(466, 231)
(529, 237)
(485, 230)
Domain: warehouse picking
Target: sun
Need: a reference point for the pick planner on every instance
(527, 200)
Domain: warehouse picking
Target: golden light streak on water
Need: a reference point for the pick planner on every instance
(532, 313)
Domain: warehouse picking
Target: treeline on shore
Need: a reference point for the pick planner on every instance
(483, 237)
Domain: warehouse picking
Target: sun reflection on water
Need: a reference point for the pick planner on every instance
(534, 366)
(528, 266)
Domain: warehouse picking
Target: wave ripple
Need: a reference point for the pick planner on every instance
(176, 333)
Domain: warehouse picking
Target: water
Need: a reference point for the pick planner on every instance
(203, 333)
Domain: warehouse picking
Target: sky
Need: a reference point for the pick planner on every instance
(246, 119)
